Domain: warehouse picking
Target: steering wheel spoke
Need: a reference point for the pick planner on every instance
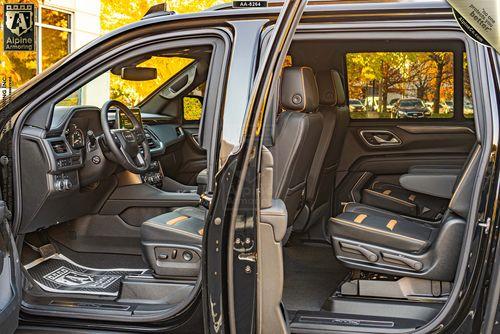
(129, 146)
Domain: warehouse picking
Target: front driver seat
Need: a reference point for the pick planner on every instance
(298, 129)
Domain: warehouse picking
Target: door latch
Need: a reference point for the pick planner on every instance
(486, 225)
(250, 257)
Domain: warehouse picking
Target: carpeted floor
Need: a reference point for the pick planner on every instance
(312, 273)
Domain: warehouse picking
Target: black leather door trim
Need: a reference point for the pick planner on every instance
(441, 129)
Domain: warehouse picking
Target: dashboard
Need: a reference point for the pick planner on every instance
(74, 140)
(68, 169)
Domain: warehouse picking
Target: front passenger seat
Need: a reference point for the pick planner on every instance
(321, 179)
(298, 129)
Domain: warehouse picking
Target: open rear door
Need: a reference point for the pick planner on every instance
(230, 269)
(10, 277)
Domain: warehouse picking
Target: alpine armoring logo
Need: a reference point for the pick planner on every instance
(19, 31)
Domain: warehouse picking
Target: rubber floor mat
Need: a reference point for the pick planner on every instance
(59, 274)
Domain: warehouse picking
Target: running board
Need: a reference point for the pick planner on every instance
(326, 321)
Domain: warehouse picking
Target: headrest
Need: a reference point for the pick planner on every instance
(331, 88)
(327, 96)
(299, 91)
(338, 87)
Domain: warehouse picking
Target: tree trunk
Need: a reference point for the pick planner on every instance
(437, 92)
(384, 99)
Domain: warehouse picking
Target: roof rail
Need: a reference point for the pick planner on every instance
(158, 10)
(229, 5)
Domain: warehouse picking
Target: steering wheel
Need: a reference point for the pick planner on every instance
(126, 144)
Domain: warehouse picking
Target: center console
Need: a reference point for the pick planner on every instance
(154, 175)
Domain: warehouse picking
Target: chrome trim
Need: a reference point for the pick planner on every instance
(381, 142)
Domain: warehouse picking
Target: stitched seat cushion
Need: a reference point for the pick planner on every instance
(184, 225)
(379, 227)
(396, 198)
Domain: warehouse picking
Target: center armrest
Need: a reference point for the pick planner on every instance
(145, 195)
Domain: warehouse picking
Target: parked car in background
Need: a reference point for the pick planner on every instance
(410, 108)
(356, 105)
(468, 109)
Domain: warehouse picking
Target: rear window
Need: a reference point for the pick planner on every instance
(416, 79)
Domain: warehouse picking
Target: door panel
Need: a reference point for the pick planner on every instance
(10, 282)
(409, 144)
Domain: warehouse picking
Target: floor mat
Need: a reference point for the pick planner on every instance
(312, 273)
(59, 274)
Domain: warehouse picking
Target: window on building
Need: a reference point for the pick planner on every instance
(54, 36)
(400, 85)
(53, 29)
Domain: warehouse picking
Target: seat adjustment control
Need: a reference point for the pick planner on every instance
(369, 255)
(414, 264)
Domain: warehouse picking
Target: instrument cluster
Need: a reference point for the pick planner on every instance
(75, 136)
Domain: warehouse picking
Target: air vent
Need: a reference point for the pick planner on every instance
(59, 146)
(151, 141)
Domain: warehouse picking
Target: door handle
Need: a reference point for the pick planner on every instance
(382, 141)
(380, 138)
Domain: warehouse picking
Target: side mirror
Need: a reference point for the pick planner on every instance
(133, 73)
(192, 107)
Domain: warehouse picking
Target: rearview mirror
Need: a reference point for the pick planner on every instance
(133, 73)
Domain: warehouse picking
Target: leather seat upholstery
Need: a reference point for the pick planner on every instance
(370, 238)
(298, 129)
(380, 227)
(335, 114)
(394, 197)
(184, 225)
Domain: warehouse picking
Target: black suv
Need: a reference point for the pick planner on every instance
(241, 195)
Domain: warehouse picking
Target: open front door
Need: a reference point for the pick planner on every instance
(10, 277)
(230, 268)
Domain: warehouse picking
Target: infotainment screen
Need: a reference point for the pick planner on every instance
(125, 122)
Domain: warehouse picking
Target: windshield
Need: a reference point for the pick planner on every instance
(411, 103)
(355, 102)
(131, 92)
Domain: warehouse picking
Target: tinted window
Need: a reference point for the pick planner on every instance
(418, 79)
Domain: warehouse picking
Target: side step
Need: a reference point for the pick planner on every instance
(326, 321)
(365, 315)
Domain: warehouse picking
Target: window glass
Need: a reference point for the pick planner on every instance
(468, 106)
(59, 43)
(56, 18)
(133, 92)
(193, 103)
(110, 86)
(400, 84)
